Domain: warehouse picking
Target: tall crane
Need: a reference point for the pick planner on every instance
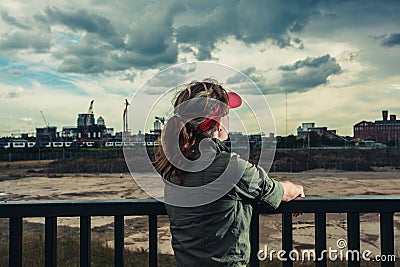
(47, 131)
(90, 111)
(44, 119)
(125, 120)
(87, 118)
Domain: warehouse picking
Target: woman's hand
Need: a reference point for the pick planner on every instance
(292, 191)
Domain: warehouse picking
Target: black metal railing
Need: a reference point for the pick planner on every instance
(386, 206)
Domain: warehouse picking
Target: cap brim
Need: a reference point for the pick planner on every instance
(234, 100)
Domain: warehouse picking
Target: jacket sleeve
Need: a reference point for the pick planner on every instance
(255, 184)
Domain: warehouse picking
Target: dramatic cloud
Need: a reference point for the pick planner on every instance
(39, 43)
(302, 76)
(259, 77)
(100, 47)
(89, 56)
(150, 35)
(169, 78)
(81, 20)
(309, 73)
(250, 22)
(146, 43)
(150, 39)
(12, 21)
(391, 40)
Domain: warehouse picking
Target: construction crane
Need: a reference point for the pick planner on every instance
(90, 111)
(44, 119)
(87, 121)
(47, 127)
(125, 119)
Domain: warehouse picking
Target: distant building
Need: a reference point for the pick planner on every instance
(151, 138)
(302, 130)
(69, 133)
(382, 131)
(101, 122)
(158, 125)
(87, 129)
(238, 140)
(85, 120)
(46, 134)
(306, 127)
(137, 137)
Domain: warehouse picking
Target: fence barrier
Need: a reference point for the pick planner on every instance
(386, 206)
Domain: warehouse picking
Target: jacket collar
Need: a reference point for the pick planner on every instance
(220, 146)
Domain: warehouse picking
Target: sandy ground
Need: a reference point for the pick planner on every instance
(121, 186)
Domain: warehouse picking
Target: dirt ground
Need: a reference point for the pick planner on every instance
(16, 184)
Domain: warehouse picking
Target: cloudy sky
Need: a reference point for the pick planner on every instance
(337, 61)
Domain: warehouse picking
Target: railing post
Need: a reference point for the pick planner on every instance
(353, 237)
(320, 239)
(153, 240)
(85, 241)
(51, 241)
(254, 238)
(15, 239)
(119, 241)
(387, 237)
(287, 238)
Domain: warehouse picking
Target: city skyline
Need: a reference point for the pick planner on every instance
(336, 62)
(99, 120)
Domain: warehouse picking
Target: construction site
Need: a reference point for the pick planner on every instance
(88, 132)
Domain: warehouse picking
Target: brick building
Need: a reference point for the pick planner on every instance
(382, 131)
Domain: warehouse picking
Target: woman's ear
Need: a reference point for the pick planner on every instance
(222, 134)
(223, 128)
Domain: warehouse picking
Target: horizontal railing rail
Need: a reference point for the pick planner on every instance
(386, 206)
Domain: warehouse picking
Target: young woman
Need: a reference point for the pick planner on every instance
(215, 233)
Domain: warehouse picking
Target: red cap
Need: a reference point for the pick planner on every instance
(234, 101)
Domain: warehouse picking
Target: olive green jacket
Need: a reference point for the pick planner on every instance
(217, 234)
